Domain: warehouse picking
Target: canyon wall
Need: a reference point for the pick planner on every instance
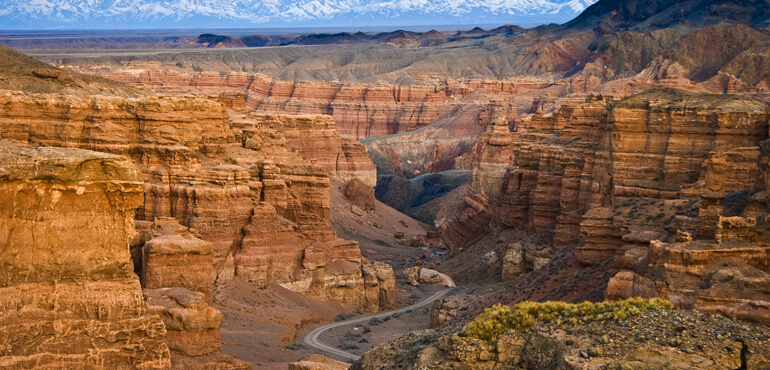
(363, 110)
(600, 153)
(360, 110)
(69, 295)
(220, 182)
(609, 175)
(315, 138)
(667, 186)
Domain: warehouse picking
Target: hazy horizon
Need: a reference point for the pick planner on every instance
(272, 30)
(101, 15)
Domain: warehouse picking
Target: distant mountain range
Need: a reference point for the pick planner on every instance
(136, 14)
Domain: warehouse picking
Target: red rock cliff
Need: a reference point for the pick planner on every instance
(215, 180)
(69, 295)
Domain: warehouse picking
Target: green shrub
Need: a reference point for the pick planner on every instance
(499, 319)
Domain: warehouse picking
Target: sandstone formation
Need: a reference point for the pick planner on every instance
(448, 143)
(70, 297)
(175, 257)
(666, 186)
(599, 153)
(496, 155)
(524, 256)
(214, 180)
(366, 110)
(360, 195)
(568, 186)
(759, 202)
(417, 275)
(318, 362)
(192, 329)
(725, 271)
(723, 278)
(315, 138)
(360, 110)
(446, 309)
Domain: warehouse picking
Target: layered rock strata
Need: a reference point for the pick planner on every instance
(192, 326)
(370, 110)
(69, 296)
(178, 277)
(634, 183)
(714, 262)
(315, 138)
(597, 154)
(360, 110)
(216, 174)
(726, 269)
(469, 225)
(727, 278)
(496, 155)
(192, 329)
(176, 257)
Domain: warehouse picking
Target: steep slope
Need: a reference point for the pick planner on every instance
(613, 15)
(24, 73)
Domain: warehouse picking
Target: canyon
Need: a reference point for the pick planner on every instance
(217, 196)
(201, 207)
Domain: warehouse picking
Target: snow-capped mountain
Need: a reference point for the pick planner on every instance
(78, 14)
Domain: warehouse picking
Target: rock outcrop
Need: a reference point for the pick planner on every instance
(216, 174)
(729, 278)
(175, 257)
(318, 362)
(595, 155)
(192, 326)
(650, 339)
(360, 195)
(360, 110)
(315, 138)
(658, 185)
(69, 296)
(496, 155)
(192, 329)
(468, 225)
(724, 270)
(417, 275)
(446, 309)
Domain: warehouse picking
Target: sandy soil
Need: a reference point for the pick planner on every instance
(375, 230)
(261, 325)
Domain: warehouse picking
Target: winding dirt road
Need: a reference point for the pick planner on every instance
(311, 339)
